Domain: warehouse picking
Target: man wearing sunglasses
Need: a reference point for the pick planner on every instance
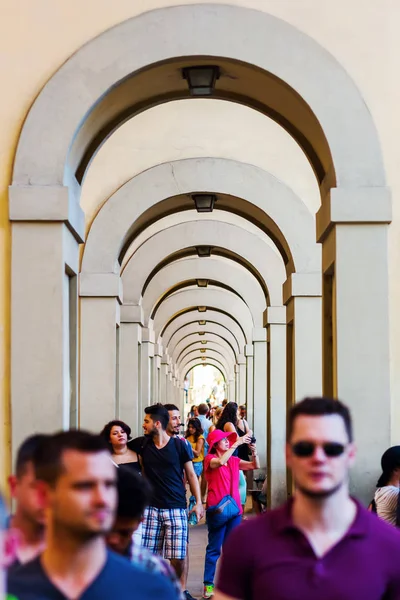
(322, 543)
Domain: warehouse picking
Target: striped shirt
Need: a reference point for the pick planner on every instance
(386, 503)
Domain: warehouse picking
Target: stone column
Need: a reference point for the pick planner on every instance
(302, 296)
(157, 373)
(47, 228)
(98, 373)
(242, 379)
(231, 391)
(352, 225)
(147, 350)
(163, 379)
(275, 319)
(260, 393)
(249, 353)
(130, 338)
(237, 384)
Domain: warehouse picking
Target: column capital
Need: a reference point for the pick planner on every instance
(241, 359)
(249, 350)
(355, 205)
(236, 368)
(275, 315)
(100, 285)
(47, 203)
(148, 335)
(259, 335)
(302, 284)
(158, 351)
(132, 313)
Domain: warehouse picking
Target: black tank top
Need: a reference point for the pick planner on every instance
(243, 450)
(131, 466)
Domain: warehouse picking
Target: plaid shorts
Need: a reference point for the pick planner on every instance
(165, 532)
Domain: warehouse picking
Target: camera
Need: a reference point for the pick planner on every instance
(253, 440)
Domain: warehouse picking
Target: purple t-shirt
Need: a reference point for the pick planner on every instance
(268, 557)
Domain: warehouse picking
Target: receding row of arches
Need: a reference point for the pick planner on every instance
(110, 313)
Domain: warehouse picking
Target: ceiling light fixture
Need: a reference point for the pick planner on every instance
(204, 203)
(201, 79)
(202, 283)
(202, 322)
(202, 308)
(203, 251)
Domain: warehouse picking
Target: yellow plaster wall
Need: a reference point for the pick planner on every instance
(36, 37)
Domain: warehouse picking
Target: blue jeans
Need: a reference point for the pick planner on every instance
(216, 539)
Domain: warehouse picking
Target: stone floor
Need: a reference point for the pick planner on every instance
(197, 549)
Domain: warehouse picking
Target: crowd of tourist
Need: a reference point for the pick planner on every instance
(94, 515)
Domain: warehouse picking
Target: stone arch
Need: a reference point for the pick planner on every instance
(195, 342)
(216, 358)
(172, 331)
(196, 362)
(188, 333)
(222, 300)
(344, 139)
(289, 220)
(189, 270)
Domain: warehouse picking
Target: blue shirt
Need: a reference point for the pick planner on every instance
(205, 424)
(117, 579)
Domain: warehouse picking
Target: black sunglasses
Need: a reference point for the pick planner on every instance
(307, 449)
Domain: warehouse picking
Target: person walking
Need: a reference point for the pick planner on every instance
(322, 543)
(228, 422)
(203, 411)
(224, 510)
(164, 459)
(117, 434)
(386, 501)
(194, 435)
(28, 520)
(174, 430)
(78, 487)
(134, 494)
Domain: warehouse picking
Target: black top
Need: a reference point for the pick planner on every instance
(118, 579)
(243, 450)
(131, 466)
(164, 469)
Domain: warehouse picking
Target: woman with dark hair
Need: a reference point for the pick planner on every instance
(387, 494)
(117, 434)
(195, 437)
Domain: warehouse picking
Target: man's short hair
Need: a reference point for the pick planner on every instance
(50, 466)
(171, 407)
(158, 412)
(134, 494)
(202, 409)
(319, 407)
(27, 453)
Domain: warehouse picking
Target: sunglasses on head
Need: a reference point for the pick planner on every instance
(307, 449)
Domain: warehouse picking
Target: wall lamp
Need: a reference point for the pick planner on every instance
(204, 203)
(201, 80)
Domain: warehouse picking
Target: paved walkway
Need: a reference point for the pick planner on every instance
(197, 550)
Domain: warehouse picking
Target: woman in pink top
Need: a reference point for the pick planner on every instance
(221, 471)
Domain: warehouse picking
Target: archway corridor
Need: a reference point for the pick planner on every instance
(147, 252)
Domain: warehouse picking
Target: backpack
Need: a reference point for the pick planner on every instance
(373, 508)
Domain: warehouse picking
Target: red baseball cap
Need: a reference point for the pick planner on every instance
(217, 435)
